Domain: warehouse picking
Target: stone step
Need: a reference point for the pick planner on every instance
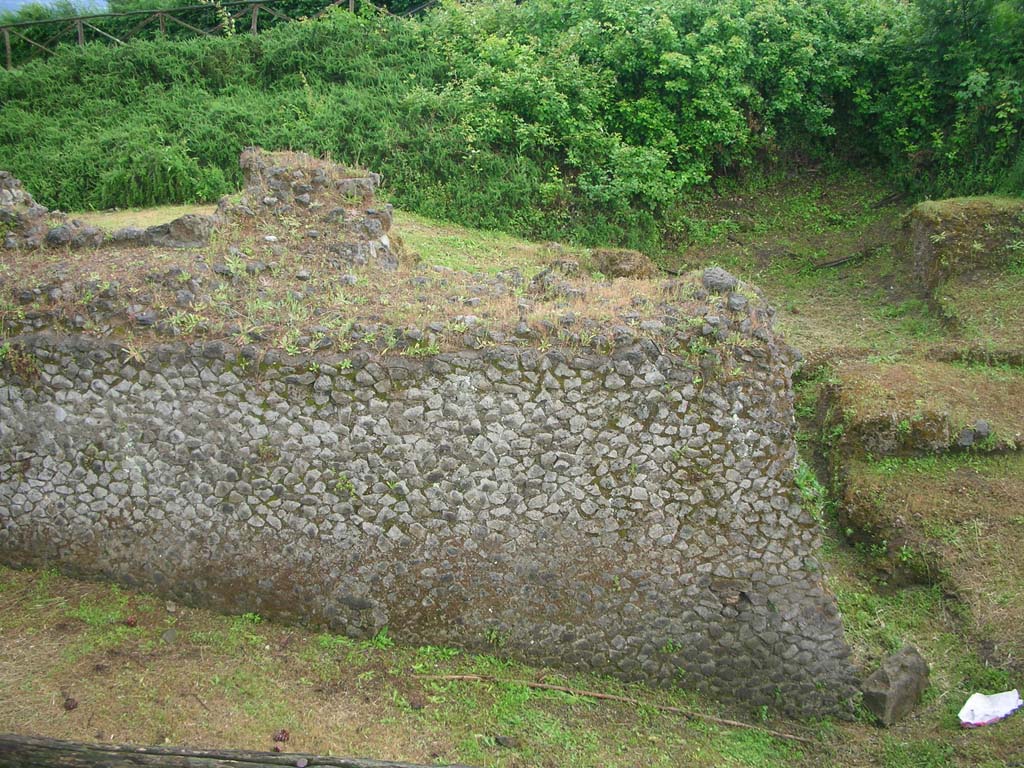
(919, 407)
(952, 520)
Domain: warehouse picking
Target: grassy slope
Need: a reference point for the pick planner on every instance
(188, 676)
(250, 679)
(955, 520)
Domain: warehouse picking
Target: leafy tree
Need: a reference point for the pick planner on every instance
(586, 119)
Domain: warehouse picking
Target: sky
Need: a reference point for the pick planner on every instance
(12, 5)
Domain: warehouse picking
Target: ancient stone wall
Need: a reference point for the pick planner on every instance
(630, 512)
(942, 239)
(584, 472)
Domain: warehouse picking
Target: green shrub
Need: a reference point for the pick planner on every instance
(585, 120)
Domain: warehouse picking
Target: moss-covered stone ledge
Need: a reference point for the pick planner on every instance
(942, 239)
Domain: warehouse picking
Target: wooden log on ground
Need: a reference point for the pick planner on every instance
(845, 259)
(21, 751)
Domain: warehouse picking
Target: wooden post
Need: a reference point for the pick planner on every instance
(21, 751)
(352, 5)
(7, 48)
(163, 24)
(81, 31)
(255, 18)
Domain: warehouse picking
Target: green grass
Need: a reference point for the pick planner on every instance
(100, 613)
(916, 754)
(756, 750)
(240, 634)
(472, 250)
(879, 623)
(930, 466)
(942, 466)
(790, 225)
(913, 319)
(1001, 372)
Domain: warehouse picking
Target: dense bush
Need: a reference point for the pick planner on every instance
(941, 94)
(551, 118)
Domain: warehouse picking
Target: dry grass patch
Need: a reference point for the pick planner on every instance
(987, 308)
(110, 221)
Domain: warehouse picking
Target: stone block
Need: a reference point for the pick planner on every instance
(893, 690)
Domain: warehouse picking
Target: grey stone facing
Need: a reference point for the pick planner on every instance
(630, 513)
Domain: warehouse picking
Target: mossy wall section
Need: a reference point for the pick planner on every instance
(942, 239)
(633, 513)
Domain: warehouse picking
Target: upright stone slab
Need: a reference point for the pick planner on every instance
(22, 219)
(893, 690)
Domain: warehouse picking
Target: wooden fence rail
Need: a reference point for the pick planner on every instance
(79, 29)
(24, 751)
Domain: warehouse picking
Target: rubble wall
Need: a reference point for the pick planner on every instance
(631, 512)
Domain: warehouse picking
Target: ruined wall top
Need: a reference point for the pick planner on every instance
(305, 259)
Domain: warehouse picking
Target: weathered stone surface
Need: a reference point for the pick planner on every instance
(59, 236)
(896, 687)
(359, 253)
(75, 234)
(596, 511)
(737, 302)
(189, 231)
(718, 280)
(384, 215)
(622, 262)
(22, 220)
(549, 281)
(591, 505)
(135, 235)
